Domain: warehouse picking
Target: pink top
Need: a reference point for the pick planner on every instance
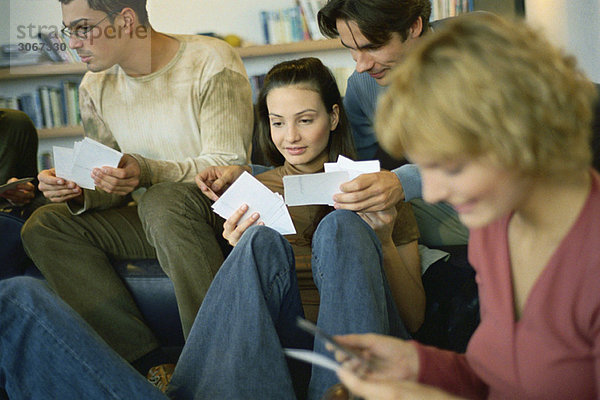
(553, 351)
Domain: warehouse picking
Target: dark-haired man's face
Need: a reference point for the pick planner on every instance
(100, 49)
(375, 59)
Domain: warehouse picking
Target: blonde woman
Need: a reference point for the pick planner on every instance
(503, 138)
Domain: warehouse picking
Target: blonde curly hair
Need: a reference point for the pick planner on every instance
(485, 85)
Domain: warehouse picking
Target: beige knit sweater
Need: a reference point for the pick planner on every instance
(193, 113)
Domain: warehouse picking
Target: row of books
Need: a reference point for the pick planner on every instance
(11, 56)
(49, 107)
(292, 24)
(57, 48)
(51, 47)
(441, 9)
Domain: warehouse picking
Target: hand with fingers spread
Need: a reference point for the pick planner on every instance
(214, 180)
(376, 191)
(121, 180)
(233, 229)
(22, 194)
(58, 190)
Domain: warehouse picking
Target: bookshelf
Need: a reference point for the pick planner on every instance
(57, 70)
(41, 70)
(289, 48)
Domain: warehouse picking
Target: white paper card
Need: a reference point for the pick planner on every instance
(12, 185)
(354, 168)
(63, 162)
(270, 206)
(317, 188)
(313, 358)
(76, 164)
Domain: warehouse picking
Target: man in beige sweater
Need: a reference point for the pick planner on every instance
(174, 105)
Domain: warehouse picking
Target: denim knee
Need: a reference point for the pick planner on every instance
(257, 232)
(271, 252)
(259, 239)
(341, 225)
(342, 234)
(29, 291)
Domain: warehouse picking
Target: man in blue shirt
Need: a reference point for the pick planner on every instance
(377, 33)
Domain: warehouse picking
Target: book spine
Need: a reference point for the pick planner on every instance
(63, 103)
(26, 105)
(59, 47)
(39, 115)
(272, 23)
(287, 23)
(297, 24)
(48, 49)
(309, 17)
(47, 111)
(73, 107)
(312, 8)
(77, 105)
(56, 106)
(305, 31)
(264, 19)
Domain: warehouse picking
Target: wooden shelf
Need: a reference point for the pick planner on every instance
(48, 69)
(53, 69)
(63, 131)
(288, 48)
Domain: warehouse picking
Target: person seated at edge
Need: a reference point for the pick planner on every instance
(508, 146)
(174, 104)
(234, 349)
(18, 159)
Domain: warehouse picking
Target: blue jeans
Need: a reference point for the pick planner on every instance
(47, 351)
(347, 267)
(234, 350)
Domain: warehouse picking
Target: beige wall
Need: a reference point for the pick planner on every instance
(572, 24)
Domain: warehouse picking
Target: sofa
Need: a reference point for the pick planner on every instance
(148, 284)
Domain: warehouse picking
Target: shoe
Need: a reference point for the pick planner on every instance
(160, 376)
(337, 392)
